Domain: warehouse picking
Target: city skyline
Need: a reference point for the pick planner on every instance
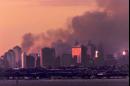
(64, 42)
(78, 55)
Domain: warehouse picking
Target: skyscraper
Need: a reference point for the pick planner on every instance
(99, 55)
(48, 57)
(37, 60)
(76, 53)
(66, 60)
(30, 61)
(24, 55)
(123, 59)
(84, 55)
(10, 58)
(91, 48)
(79, 52)
(74, 61)
(58, 61)
(5, 61)
(110, 60)
(1, 63)
(18, 56)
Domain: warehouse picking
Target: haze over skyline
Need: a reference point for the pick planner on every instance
(18, 17)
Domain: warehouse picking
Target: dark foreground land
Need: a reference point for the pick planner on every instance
(80, 82)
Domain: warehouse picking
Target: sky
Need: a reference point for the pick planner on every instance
(18, 17)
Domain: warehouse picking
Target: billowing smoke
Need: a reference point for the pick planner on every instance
(34, 42)
(28, 42)
(108, 25)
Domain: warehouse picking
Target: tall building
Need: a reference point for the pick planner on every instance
(30, 61)
(35, 55)
(18, 56)
(38, 60)
(84, 55)
(91, 48)
(123, 59)
(10, 58)
(76, 53)
(79, 52)
(48, 57)
(1, 63)
(23, 60)
(74, 60)
(110, 60)
(99, 56)
(66, 60)
(61, 48)
(58, 61)
(5, 61)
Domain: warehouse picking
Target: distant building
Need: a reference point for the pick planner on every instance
(74, 61)
(123, 59)
(91, 48)
(99, 56)
(30, 61)
(48, 57)
(61, 48)
(5, 62)
(9, 57)
(24, 55)
(110, 60)
(84, 55)
(38, 61)
(66, 60)
(18, 56)
(36, 57)
(58, 61)
(1, 63)
(76, 52)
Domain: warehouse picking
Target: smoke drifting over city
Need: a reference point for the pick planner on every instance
(32, 43)
(109, 26)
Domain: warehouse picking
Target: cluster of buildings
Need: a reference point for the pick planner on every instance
(80, 55)
(12, 58)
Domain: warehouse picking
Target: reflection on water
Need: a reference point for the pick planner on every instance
(96, 82)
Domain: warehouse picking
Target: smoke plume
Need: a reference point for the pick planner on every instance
(108, 25)
(34, 42)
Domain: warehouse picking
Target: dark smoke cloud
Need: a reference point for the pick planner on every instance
(34, 42)
(101, 27)
(109, 26)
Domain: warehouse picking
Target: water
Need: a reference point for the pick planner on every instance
(95, 82)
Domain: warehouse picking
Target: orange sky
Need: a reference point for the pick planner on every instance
(22, 16)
